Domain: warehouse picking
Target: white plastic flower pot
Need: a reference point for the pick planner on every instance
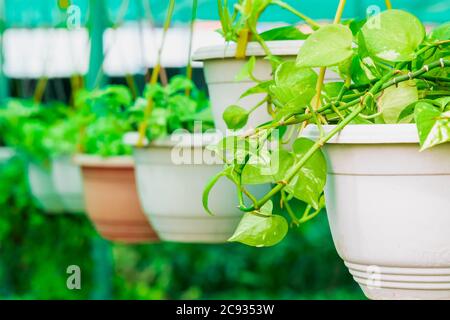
(221, 68)
(6, 154)
(68, 183)
(171, 175)
(389, 210)
(43, 189)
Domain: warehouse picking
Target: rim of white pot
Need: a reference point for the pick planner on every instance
(179, 140)
(87, 160)
(228, 50)
(368, 134)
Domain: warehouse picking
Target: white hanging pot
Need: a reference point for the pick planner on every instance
(389, 210)
(43, 189)
(6, 153)
(68, 182)
(171, 175)
(221, 68)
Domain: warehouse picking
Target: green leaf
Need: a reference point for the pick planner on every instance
(281, 161)
(257, 170)
(246, 71)
(362, 70)
(328, 46)
(332, 89)
(283, 33)
(432, 125)
(310, 181)
(258, 231)
(261, 87)
(235, 117)
(395, 99)
(232, 149)
(293, 83)
(227, 172)
(444, 102)
(441, 32)
(392, 35)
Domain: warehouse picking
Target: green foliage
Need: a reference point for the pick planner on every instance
(36, 250)
(433, 124)
(235, 117)
(27, 125)
(283, 33)
(245, 16)
(328, 46)
(393, 35)
(262, 230)
(391, 72)
(173, 110)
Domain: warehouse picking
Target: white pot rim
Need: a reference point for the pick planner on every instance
(368, 134)
(228, 50)
(180, 140)
(90, 161)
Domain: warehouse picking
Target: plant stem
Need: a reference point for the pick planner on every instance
(241, 47)
(415, 74)
(154, 78)
(40, 89)
(388, 4)
(314, 25)
(317, 145)
(191, 39)
(320, 80)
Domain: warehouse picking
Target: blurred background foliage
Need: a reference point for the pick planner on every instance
(36, 248)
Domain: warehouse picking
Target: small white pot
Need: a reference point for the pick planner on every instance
(6, 153)
(221, 68)
(68, 183)
(43, 189)
(389, 210)
(171, 175)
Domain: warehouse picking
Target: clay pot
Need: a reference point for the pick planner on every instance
(112, 201)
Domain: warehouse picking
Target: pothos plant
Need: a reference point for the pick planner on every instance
(240, 24)
(392, 72)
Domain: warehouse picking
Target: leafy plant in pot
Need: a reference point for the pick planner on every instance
(28, 129)
(239, 71)
(173, 164)
(373, 148)
(107, 167)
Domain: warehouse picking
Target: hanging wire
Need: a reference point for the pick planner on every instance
(155, 74)
(191, 40)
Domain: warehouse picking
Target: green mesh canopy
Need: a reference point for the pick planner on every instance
(46, 13)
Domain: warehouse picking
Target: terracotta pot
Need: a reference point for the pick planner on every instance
(112, 201)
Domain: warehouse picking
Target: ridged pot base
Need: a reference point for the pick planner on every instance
(390, 283)
(112, 202)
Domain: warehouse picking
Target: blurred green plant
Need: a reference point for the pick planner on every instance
(35, 250)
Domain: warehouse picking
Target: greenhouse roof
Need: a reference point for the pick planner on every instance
(19, 13)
